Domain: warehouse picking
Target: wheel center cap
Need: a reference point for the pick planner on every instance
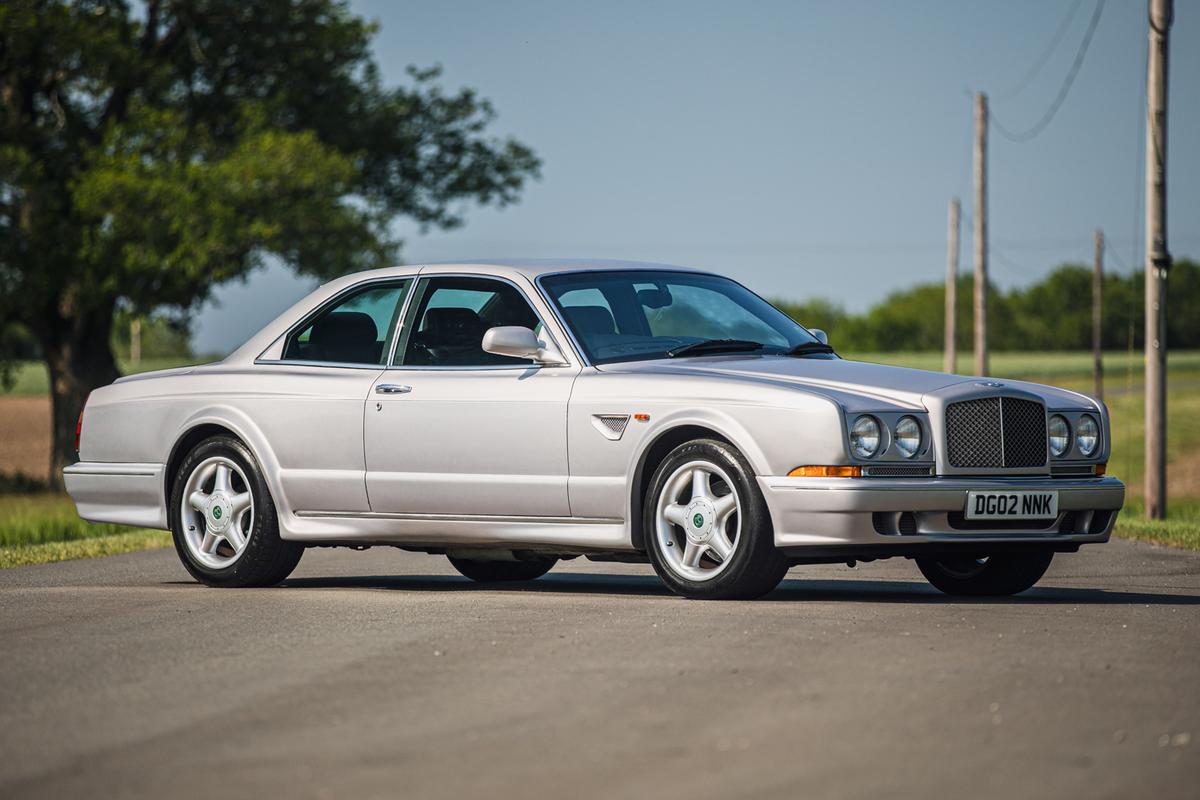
(220, 513)
(699, 520)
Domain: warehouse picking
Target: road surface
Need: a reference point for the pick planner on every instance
(383, 674)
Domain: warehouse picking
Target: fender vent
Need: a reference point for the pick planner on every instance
(611, 426)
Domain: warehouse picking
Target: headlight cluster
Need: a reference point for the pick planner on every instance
(1086, 435)
(866, 437)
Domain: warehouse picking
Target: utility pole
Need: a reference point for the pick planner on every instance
(1097, 306)
(1158, 259)
(949, 350)
(981, 250)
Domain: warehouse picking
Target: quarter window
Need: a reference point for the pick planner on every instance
(356, 330)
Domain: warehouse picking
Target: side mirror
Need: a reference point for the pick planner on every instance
(821, 335)
(518, 342)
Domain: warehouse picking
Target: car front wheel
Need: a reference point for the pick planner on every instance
(708, 531)
(998, 575)
(223, 519)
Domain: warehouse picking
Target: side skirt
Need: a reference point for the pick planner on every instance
(435, 531)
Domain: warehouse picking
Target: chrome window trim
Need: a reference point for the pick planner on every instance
(275, 362)
(352, 289)
(465, 368)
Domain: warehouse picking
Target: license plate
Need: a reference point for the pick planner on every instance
(1012, 505)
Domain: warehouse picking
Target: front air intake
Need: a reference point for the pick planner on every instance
(996, 433)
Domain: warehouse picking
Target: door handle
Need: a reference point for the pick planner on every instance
(392, 388)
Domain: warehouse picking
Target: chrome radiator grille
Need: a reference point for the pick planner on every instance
(996, 432)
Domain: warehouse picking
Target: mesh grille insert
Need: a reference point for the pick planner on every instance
(973, 433)
(1024, 432)
(611, 426)
(996, 432)
(898, 472)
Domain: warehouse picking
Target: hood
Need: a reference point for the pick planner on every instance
(838, 377)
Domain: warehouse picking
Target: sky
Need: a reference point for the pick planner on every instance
(805, 149)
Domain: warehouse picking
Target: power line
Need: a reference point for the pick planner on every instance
(1065, 89)
(1045, 56)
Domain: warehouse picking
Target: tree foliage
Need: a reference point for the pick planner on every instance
(150, 152)
(1052, 314)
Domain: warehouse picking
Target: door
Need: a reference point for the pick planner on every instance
(309, 401)
(450, 429)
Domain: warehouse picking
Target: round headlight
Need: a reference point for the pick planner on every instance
(864, 437)
(1060, 435)
(1088, 435)
(908, 436)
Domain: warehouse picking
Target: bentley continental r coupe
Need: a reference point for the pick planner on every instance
(511, 414)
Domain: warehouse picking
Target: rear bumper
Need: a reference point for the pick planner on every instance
(813, 516)
(126, 494)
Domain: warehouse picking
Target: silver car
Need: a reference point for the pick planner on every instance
(509, 415)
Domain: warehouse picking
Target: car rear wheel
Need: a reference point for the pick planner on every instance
(502, 571)
(223, 520)
(1011, 573)
(707, 527)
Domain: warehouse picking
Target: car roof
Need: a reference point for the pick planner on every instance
(531, 268)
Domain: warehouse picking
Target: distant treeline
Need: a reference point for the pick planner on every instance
(1053, 314)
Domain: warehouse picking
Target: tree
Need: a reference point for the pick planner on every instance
(147, 156)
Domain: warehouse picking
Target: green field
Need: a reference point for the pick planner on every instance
(31, 377)
(36, 528)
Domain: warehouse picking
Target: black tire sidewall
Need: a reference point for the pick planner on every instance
(1004, 574)
(266, 555)
(502, 571)
(756, 567)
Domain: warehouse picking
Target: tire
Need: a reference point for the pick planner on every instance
(200, 508)
(700, 547)
(502, 571)
(1011, 573)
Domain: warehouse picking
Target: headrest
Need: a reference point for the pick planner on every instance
(452, 322)
(345, 336)
(591, 319)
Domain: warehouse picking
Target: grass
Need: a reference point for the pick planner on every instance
(1180, 529)
(130, 541)
(1040, 366)
(31, 377)
(40, 528)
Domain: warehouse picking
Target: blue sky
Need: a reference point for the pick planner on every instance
(806, 149)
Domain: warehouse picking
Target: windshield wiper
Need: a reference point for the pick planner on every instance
(809, 349)
(714, 346)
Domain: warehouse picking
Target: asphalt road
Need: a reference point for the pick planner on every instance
(383, 674)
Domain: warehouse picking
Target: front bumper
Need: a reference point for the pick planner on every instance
(812, 516)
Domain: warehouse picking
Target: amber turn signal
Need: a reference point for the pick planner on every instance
(826, 472)
(1101, 469)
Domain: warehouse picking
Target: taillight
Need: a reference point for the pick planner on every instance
(78, 431)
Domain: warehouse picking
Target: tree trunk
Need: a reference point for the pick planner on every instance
(79, 356)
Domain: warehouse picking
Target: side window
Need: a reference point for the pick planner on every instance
(451, 317)
(355, 331)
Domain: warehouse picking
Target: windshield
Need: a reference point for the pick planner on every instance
(637, 315)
